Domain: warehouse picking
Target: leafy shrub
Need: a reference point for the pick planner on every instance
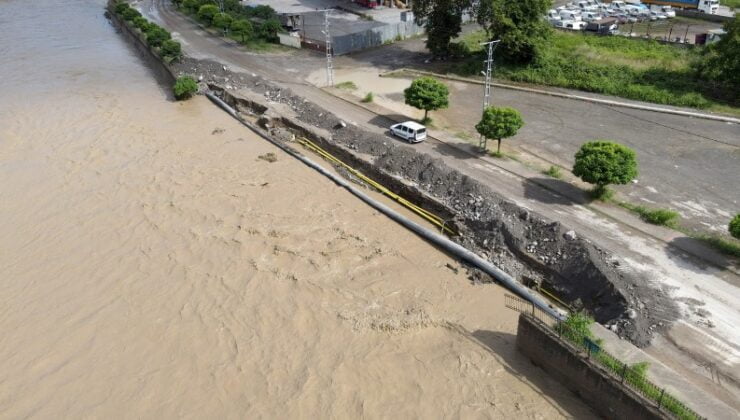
(349, 85)
(141, 23)
(156, 35)
(171, 49)
(659, 217)
(130, 14)
(554, 172)
(121, 7)
(734, 226)
(185, 87)
(368, 98)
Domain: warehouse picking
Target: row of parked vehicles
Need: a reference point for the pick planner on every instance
(607, 16)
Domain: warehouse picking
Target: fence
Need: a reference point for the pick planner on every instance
(631, 376)
(344, 44)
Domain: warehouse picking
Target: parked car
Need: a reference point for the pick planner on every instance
(606, 26)
(570, 15)
(576, 25)
(658, 16)
(410, 131)
(590, 16)
(668, 10)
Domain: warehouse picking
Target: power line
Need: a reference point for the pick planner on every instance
(482, 143)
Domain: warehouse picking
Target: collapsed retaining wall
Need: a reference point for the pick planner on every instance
(604, 393)
(524, 244)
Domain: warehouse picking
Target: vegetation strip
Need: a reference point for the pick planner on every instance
(568, 96)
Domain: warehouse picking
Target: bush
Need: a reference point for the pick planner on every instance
(130, 14)
(349, 85)
(141, 23)
(603, 162)
(156, 35)
(661, 217)
(554, 172)
(185, 87)
(734, 226)
(171, 49)
(368, 98)
(121, 7)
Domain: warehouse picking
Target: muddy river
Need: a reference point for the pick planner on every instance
(152, 266)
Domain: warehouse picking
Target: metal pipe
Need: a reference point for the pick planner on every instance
(427, 234)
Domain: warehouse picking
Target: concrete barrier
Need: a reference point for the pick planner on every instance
(603, 392)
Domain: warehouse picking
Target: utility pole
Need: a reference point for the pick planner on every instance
(329, 66)
(686, 35)
(487, 90)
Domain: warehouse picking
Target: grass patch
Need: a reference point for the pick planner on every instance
(554, 172)
(726, 246)
(613, 65)
(661, 217)
(732, 4)
(601, 193)
(368, 98)
(349, 85)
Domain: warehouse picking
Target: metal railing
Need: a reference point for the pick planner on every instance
(631, 376)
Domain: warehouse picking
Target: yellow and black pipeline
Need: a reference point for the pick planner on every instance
(427, 215)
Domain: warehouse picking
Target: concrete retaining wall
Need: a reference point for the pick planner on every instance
(604, 393)
(163, 71)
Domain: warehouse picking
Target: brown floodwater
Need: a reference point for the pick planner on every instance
(152, 266)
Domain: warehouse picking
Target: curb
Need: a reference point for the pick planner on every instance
(574, 97)
(554, 191)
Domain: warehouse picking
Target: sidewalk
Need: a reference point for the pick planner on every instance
(695, 397)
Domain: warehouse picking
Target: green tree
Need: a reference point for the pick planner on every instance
(171, 49)
(518, 24)
(121, 7)
(734, 226)
(191, 6)
(263, 12)
(156, 35)
(222, 21)
(185, 87)
(604, 162)
(442, 20)
(130, 14)
(428, 94)
(268, 30)
(720, 61)
(499, 123)
(243, 28)
(207, 12)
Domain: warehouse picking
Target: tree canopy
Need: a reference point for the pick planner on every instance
(243, 28)
(207, 12)
(222, 20)
(156, 35)
(442, 20)
(519, 24)
(499, 123)
(428, 94)
(720, 62)
(603, 162)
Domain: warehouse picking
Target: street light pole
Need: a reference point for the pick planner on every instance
(329, 64)
(487, 90)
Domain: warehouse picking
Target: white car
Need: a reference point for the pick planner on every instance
(410, 131)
